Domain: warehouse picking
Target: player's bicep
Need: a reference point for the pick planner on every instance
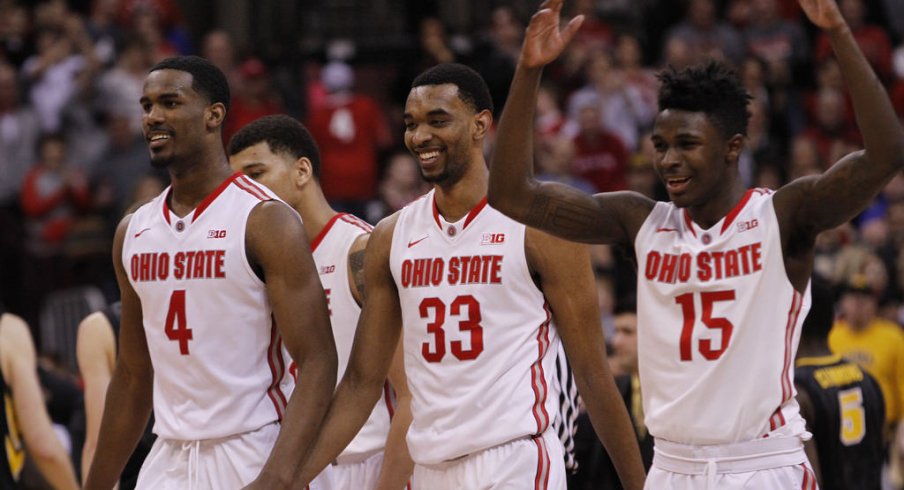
(356, 268)
(133, 348)
(379, 325)
(277, 245)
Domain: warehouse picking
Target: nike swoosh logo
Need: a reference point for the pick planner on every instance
(661, 230)
(140, 232)
(415, 242)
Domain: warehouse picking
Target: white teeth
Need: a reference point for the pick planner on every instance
(428, 155)
(158, 137)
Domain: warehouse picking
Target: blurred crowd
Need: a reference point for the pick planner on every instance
(73, 158)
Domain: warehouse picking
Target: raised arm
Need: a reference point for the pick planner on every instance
(815, 204)
(375, 342)
(567, 283)
(513, 190)
(95, 349)
(299, 307)
(128, 402)
(17, 353)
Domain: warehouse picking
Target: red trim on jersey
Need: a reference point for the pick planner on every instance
(730, 217)
(474, 212)
(541, 479)
(793, 313)
(268, 195)
(277, 370)
(809, 481)
(356, 221)
(387, 397)
(166, 212)
(244, 183)
(326, 229)
(471, 214)
(689, 223)
(537, 376)
(213, 195)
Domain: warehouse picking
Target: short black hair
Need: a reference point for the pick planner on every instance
(821, 317)
(472, 89)
(712, 88)
(207, 79)
(283, 134)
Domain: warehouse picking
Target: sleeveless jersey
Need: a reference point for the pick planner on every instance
(12, 450)
(850, 416)
(215, 348)
(716, 312)
(330, 249)
(480, 346)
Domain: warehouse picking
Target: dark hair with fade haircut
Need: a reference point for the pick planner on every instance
(821, 316)
(472, 89)
(283, 134)
(207, 79)
(712, 88)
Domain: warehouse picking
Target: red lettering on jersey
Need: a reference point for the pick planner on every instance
(756, 256)
(496, 270)
(422, 272)
(684, 267)
(669, 268)
(667, 271)
(436, 271)
(652, 267)
(179, 265)
(454, 272)
(731, 263)
(717, 260)
(149, 266)
(704, 270)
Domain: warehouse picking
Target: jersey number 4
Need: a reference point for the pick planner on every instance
(466, 307)
(176, 327)
(688, 310)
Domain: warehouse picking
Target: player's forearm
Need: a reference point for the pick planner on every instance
(126, 413)
(613, 427)
(397, 463)
(56, 467)
(351, 405)
(882, 134)
(511, 170)
(304, 415)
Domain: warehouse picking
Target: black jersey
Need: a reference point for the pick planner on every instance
(12, 449)
(850, 416)
(130, 473)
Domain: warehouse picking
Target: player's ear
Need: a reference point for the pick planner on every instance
(482, 123)
(734, 146)
(215, 114)
(303, 171)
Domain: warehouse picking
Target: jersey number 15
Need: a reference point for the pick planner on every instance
(688, 310)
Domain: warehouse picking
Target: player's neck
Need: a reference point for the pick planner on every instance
(812, 348)
(455, 201)
(718, 206)
(315, 211)
(191, 184)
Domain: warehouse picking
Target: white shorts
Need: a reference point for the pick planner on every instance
(361, 475)
(764, 463)
(526, 463)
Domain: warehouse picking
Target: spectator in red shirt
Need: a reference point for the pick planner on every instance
(350, 131)
(600, 157)
(255, 98)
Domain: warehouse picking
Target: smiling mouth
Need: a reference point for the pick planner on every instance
(158, 139)
(428, 156)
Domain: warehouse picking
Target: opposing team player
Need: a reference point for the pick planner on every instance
(482, 301)
(723, 271)
(279, 152)
(95, 350)
(24, 423)
(841, 403)
(212, 283)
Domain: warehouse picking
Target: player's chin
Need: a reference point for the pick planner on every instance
(161, 161)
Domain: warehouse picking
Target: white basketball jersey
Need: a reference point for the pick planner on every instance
(215, 349)
(330, 250)
(480, 346)
(718, 325)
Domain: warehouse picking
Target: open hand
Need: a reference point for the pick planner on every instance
(544, 41)
(823, 13)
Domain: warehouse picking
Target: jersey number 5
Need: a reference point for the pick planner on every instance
(176, 328)
(470, 323)
(705, 346)
(853, 418)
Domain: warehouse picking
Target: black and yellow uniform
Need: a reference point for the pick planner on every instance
(849, 420)
(12, 450)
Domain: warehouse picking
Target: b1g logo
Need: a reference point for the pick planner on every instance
(747, 225)
(216, 234)
(492, 239)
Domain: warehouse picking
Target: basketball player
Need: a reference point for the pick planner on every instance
(723, 271)
(24, 423)
(841, 403)
(481, 301)
(95, 350)
(279, 152)
(212, 283)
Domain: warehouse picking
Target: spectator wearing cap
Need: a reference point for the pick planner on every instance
(255, 98)
(351, 131)
(875, 343)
